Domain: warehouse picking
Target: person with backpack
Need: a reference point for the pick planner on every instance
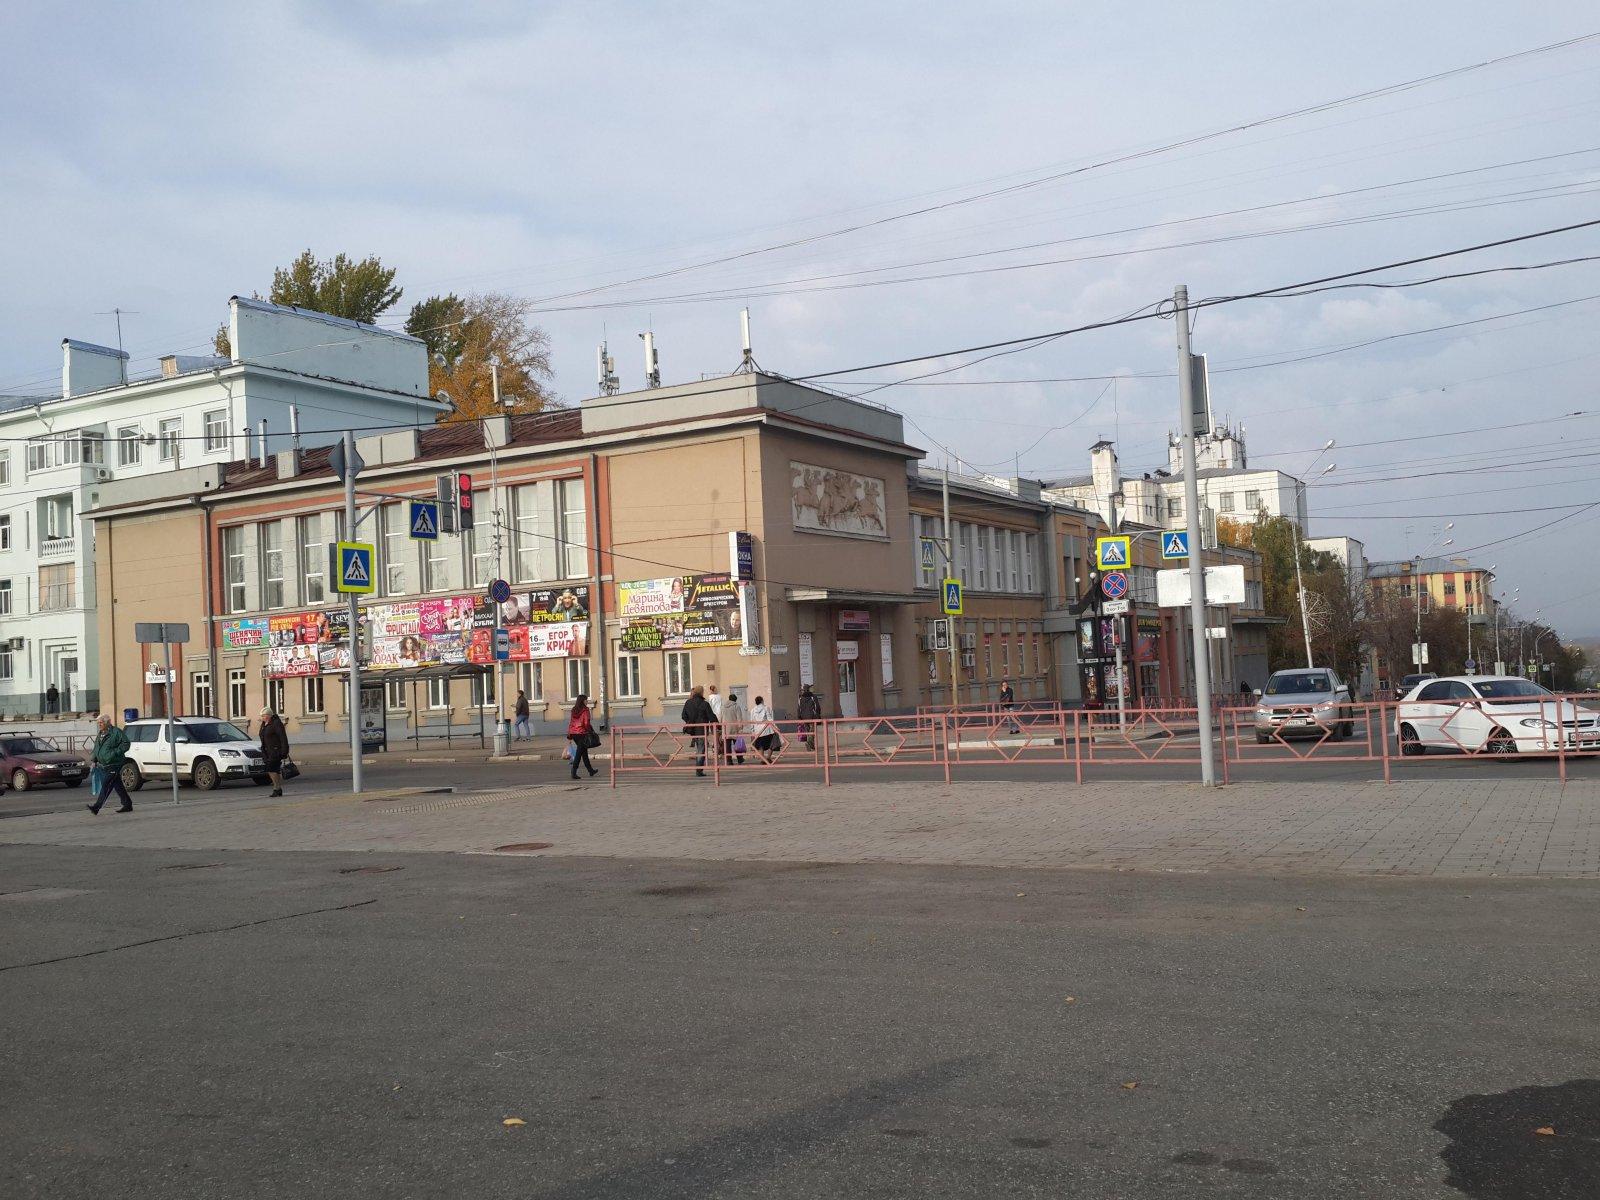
(580, 732)
(700, 723)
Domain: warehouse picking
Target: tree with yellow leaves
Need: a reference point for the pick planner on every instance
(465, 335)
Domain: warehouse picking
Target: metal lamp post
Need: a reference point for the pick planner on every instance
(1416, 590)
(1299, 542)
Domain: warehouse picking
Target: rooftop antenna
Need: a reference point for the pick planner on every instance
(747, 365)
(118, 313)
(608, 371)
(652, 364)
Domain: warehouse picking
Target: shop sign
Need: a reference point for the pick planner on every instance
(855, 618)
(847, 651)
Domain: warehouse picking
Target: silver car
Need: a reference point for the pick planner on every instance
(1312, 702)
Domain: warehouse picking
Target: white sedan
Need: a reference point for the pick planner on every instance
(1497, 714)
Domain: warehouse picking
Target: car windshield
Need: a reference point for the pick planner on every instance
(1297, 684)
(1509, 689)
(29, 746)
(216, 731)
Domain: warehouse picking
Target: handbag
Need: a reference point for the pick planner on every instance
(591, 739)
(288, 770)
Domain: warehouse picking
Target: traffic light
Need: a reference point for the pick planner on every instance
(463, 500)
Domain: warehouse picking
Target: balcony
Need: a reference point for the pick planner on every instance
(57, 547)
(55, 597)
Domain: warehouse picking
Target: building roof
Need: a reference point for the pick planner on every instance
(1425, 566)
(447, 441)
(326, 318)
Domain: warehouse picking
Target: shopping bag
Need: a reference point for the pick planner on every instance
(97, 779)
(569, 751)
(738, 745)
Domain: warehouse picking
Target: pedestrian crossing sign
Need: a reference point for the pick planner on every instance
(928, 550)
(952, 597)
(1175, 545)
(425, 520)
(355, 567)
(1111, 553)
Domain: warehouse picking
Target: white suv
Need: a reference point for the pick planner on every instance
(208, 751)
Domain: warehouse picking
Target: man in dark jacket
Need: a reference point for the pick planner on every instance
(698, 722)
(110, 752)
(274, 748)
(810, 710)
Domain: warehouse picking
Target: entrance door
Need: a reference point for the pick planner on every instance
(847, 690)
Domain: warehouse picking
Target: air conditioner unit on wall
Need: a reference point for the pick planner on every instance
(17, 643)
(102, 474)
(969, 641)
(968, 658)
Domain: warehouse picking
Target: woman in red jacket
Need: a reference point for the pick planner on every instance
(580, 732)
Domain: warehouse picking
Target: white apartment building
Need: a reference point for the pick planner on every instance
(1228, 487)
(294, 372)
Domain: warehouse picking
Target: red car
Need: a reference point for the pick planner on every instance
(29, 761)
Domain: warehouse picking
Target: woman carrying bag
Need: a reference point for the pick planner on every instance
(581, 735)
(764, 731)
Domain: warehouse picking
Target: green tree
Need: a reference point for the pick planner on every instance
(466, 335)
(339, 286)
(1330, 604)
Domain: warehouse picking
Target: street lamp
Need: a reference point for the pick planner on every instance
(1500, 602)
(1470, 666)
(1416, 588)
(1299, 534)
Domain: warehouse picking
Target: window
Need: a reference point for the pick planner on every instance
(1002, 558)
(94, 449)
(678, 673)
(200, 694)
(1174, 507)
(312, 695)
(438, 693)
(7, 668)
(1030, 551)
(531, 680)
(628, 686)
(236, 700)
(441, 564)
(167, 440)
(276, 698)
(394, 693)
(271, 545)
(216, 426)
(5, 467)
(313, 559)
(233, 567)
(533, 546)
(128, 446)
(57, 588)
(480, 545)
(56, 519)
(1252, 501)
(963, 551)
(1015, 559)
(5, 533)
(399, 556)
(574, 529)
(5, 597)
(577, 677)
(1225, 502)
(38, 455)
(483, 693)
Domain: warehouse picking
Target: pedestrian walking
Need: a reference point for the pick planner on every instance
(110, 752)
(274, 748)
(580, 732)
(733, 733)
(763, 730)
(700, 723)
(810, 710)
(1008, 701)
(524, 729)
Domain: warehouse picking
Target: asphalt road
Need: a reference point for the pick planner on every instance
(245, 1025)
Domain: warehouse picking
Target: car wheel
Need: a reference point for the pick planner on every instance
(20, 782)
(132, 779)
(1336, 732)
(1262, 739)
(1349, 729)
(1410, 745)
(1501, 742)
(204, 775)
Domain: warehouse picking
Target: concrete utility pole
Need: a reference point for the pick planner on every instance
(1299, 542)
(1116, 641)
(1197, 570)
(353, 701)
(950, 565)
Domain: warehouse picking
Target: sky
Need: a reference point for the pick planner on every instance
(888, 182)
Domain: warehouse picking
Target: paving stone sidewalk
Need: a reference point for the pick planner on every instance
(1447, 828)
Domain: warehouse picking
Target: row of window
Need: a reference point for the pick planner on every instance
(547, 540)
(1252, 501)
(86, 446)
(58, 589)
(987, 558)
